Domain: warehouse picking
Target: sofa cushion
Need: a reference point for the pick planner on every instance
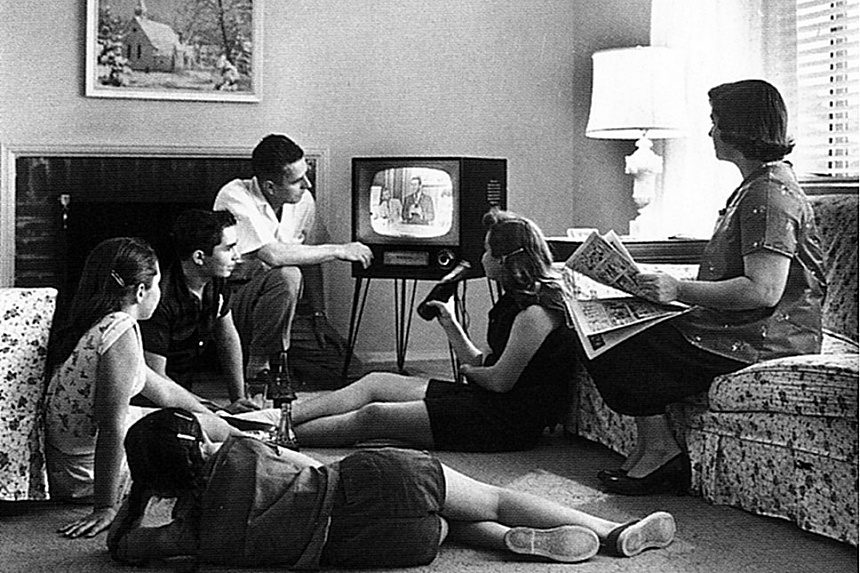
(836, 217)
(809, 385)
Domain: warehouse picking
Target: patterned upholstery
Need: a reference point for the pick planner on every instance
(25, 322)
(778, 438)
(809, 385)
(836, 217)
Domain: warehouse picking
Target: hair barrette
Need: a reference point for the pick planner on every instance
(504, 258)
(117, 278)
(186, 437)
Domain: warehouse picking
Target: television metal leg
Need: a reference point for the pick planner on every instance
(359, 298)
(402, 319)
(404, 303)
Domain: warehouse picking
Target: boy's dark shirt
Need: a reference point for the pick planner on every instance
(181, 328)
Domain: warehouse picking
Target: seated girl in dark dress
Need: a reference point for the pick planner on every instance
(511, 394)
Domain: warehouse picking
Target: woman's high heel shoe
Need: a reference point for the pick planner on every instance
(604, 475)
(671, 477)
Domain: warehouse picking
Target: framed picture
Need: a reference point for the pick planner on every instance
(174, 49)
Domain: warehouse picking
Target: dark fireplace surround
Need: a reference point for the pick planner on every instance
(67, 201)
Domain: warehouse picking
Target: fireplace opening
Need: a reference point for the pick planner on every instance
(66, 205)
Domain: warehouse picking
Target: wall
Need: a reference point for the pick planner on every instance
(505, 78)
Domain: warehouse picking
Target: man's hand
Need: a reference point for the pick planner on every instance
(91, 525)
(242, 405)
(357, 253)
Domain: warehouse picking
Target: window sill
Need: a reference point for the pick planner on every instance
(827, 185)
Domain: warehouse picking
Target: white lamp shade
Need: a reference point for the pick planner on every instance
(635, 92)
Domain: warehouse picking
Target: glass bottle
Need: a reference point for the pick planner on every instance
(283, 395)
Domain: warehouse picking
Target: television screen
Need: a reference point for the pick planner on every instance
(412, 202)
(408, 204)
(421, 215)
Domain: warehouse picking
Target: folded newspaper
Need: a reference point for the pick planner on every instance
(605, 301)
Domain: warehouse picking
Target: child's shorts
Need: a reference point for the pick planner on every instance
(386, 510)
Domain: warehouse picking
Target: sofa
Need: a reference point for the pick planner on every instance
(25, 323)
(778, 438)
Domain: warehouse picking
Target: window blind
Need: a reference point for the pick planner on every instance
(812, 50)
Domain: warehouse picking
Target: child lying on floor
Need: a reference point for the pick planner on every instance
(250, 503)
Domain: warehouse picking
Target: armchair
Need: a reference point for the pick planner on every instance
(25, 323)
(778, 438)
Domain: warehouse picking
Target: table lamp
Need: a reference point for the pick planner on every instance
(638, 93)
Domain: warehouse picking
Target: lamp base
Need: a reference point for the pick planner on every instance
(646, 228)
(644, 165)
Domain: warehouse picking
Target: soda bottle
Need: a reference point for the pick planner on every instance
(443, 290)
(282, 394)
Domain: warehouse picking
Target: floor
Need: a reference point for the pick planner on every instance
(710, 538)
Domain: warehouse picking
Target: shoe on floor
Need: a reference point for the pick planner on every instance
(566, 544)
(651, 532)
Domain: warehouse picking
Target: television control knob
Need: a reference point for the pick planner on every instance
(445, 258)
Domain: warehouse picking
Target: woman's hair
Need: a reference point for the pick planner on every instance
(199, 230)
(521, 246)
(164, 458)
(110, 278)
(752, 117)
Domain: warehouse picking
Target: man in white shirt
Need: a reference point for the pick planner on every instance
(275, 212)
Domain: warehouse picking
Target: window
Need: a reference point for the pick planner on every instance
(807, 48)
(812, 48)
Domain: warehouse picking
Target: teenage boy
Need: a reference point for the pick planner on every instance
(193, 323)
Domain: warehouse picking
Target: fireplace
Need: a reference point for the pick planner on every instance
(59, 203)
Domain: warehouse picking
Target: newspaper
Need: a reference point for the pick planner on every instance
(604, 299)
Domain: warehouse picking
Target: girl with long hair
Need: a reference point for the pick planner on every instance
(249, 503)
(96, 365)
(510, 394)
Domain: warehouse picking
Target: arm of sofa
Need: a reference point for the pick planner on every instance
(823, 385)
(26, 314)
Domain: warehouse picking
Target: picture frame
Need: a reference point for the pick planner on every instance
(191, 50)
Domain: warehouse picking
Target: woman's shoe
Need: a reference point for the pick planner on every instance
(671, 477)
(604, 475)
(654, 531)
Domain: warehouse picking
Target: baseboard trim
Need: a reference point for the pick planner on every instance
(387, 357)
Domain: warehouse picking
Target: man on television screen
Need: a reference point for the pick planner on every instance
(275, 212)
(418, 206)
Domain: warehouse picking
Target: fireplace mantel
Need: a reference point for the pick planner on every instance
(11, 154)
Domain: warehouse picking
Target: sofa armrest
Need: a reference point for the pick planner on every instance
(810, 385)
(25, 324)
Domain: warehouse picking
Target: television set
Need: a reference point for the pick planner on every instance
(421, 216)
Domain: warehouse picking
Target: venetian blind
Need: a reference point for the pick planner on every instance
(812, 48)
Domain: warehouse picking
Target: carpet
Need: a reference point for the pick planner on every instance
(557, 488)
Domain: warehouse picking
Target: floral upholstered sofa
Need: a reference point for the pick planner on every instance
(778, 438)
(25, 323)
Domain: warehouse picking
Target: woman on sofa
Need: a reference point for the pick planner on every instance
(96, 365)
(757, 295)
(511, 394)
(250, 503)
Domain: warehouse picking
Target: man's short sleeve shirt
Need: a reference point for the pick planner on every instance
(182, 326)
